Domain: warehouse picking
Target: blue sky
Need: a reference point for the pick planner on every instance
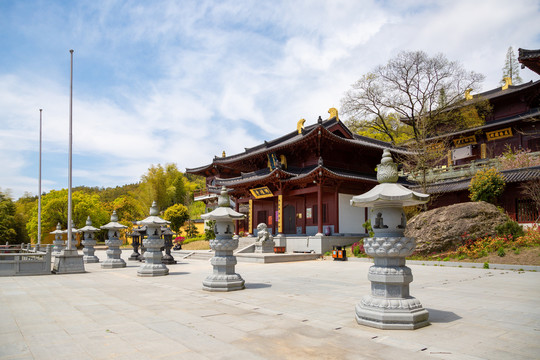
(181, 81)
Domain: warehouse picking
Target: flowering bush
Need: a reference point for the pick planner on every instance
(486, 185)
(358, 248)
(179, 240)
(480, 247)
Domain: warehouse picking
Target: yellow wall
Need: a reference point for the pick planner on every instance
(198, 225)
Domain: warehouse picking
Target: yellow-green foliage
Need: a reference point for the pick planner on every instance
(487, 185)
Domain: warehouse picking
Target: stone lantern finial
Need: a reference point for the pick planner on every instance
(387, 169)
(114, 217)
(154, 211)
(88, 221)
(223, 198)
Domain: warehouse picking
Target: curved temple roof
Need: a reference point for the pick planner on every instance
(294, 137)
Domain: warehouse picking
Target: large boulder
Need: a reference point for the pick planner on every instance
(441, 229)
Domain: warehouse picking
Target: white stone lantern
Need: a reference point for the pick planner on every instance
(113, 243)
(390, 305)
(58, 242)
(89, 242)
(224, 277)
(153, 265)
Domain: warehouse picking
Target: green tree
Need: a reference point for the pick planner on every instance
(128, 209)
(177, 215)
(11, 225)
(420, 91)
(511, 67)
(191, 229)
(54, 210)
(486, 185)
(166, 185)
(196, 209)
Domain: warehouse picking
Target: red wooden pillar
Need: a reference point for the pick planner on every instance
(319, 208)
(336, 202)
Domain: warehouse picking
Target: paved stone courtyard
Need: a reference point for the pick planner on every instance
(287, 311)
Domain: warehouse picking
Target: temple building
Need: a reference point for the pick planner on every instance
(513, 126)
(302, 182)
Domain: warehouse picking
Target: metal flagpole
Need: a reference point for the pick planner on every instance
(39, 198)
(70, 152)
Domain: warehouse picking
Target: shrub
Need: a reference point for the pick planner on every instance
(358, 248)
(501, 252)
(368, 227)
(510, 227)
(487, 185)
(209, 233)
(486, 265)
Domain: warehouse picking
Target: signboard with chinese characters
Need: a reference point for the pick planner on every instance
(499, 134)
(461, 153)
(469, 140)
(262, 192)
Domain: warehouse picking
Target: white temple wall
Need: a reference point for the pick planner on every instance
(351, 218)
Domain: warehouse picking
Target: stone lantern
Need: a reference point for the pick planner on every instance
(223, 278)
(113, 243)
(58, 242)
(88, 242)
(135, 236)
(390, 305)
(152, 265)
(167, 244)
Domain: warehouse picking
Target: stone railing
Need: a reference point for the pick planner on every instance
(21, 260)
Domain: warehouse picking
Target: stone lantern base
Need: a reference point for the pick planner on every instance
(391, 314)
(224, 277)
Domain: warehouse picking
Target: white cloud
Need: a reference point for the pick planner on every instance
(159, 82)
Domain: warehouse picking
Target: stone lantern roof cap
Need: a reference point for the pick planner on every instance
(388, 192)
(153, 219)
(88, 227)
(166, 231)
(114, 224)
(58, 230)
(223, 211)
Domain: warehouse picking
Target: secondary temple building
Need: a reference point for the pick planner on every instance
(302, 182)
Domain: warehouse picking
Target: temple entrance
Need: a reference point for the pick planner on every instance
(289, 220)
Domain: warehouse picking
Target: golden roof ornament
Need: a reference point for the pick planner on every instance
(507, 82)
(333, 113)
(300, 125)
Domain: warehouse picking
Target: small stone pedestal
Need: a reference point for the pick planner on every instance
(68, 262)
(113, 243)
(89, 242)
(390, 306)
(152, 265)
(224, 277)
